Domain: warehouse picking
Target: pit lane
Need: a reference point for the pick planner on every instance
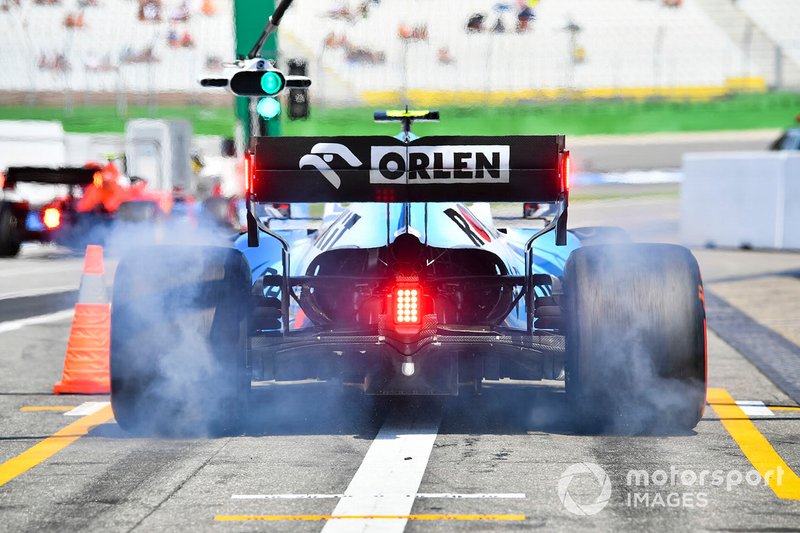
(309, 454)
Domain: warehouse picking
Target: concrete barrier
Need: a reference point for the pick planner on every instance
(741, 199)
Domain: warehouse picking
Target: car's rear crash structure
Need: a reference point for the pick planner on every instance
(408, 291)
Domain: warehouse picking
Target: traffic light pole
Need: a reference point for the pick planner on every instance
(250, 17)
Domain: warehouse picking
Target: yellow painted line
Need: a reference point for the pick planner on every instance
(319, 517)
(782, 480)
(47, 408)
(782, 408)
(52, 445)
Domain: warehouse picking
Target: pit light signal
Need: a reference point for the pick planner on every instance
(257, 83)
(268, 108)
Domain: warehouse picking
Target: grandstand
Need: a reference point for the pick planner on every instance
(113, 51)
(780, 20)
(385, 51)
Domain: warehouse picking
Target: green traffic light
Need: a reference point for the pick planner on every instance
(268, 108)
(272, 82)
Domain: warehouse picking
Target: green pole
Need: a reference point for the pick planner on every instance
(250, 17)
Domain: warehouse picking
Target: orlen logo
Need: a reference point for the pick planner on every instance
(327, 151)
(454, 164)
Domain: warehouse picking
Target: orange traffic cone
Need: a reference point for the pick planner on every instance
(86, 364)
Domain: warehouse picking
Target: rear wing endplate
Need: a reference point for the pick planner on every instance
(49, 176)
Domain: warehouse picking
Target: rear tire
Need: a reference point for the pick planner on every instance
(635, 334)
(179, 340)
(10, 238)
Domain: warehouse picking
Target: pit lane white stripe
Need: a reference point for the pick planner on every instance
(393, 467)
(38, 291)
(421, 495)
(33, 270)
(13, 325)
(87, 408)
(754, 408)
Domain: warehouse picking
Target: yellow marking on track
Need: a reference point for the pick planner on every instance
(47, 408)
(782, 480)
(319, 517)
(782, 408)
(52, 445)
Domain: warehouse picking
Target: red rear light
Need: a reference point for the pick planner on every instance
(565, 170)
(51, 217)
(248, 176)
(407, 305)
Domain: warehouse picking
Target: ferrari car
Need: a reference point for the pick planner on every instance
(409, 289)
(76, 206)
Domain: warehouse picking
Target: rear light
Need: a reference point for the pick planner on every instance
(407, 304)
(97, 179)
(51, 218)
(248, 176)
(565, 170)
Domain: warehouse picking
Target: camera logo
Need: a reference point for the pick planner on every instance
(584, 509)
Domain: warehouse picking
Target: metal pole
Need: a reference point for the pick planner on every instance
(778, 67)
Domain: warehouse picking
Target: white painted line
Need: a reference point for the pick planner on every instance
(38, 291)
(13, 325)
(393, 467)
(754, 408)
(421, 495)
(87, 408)
(474, 496)
(33, 270)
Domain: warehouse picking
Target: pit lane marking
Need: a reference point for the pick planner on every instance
(13, 325)
(754, 408)
(87, 408)
(754, 445)
(421, 495)
(52, 445)
(393, 467)
(38, 292)
(8, 273)
(47, 408)
(366, 518)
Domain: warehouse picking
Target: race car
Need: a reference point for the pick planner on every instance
(79, 207)
(789, 139)
(42, 217)
(409, 291)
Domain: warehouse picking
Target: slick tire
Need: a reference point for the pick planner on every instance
(635, 338)
(179, 341)
(10, 240)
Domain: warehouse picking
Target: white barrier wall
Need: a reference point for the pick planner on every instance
(741, 199)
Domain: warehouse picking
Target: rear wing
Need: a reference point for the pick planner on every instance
(385, 169)
(50, 176)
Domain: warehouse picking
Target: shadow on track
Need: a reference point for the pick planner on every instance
(506, 408)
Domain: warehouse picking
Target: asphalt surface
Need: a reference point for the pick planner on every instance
(489, 464)
(620, 153)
